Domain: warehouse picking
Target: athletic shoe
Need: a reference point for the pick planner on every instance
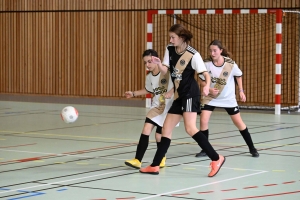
(163, 162)
(150, 170)
(201, 154)
(216, 166)
(254, 153)
(135, 163)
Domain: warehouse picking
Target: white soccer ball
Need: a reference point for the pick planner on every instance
(69, 114)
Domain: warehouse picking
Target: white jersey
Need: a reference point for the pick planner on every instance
(154, 86)
(227, 97)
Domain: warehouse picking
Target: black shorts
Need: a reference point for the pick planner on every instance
(158, 128)
(230, 111)
(182, 105)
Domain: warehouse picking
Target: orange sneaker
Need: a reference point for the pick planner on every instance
(216, 166)
(150, 170)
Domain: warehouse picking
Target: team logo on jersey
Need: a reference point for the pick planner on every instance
(182, 62)
(225, 74)
(176, 73)
(163, 81)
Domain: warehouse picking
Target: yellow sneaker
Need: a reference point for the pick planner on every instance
(135, 163)
(163, 162)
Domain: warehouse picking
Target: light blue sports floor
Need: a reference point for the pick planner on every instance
(42, 158)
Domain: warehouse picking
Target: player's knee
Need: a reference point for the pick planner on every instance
(190, 130)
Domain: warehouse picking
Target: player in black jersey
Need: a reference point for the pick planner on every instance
(183, 60)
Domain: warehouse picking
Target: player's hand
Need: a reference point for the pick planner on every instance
(156, 60)
(169, 94)
(214, 91)
(242, 96)
(128, 94)
(205, 90)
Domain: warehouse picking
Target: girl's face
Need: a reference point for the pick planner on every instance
(215, 52)
(175, 39)
(148, 63)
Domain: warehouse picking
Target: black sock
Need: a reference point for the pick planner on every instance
(158, 143)
(161, 151)
(247, 137)
(206, 146)
(142, 147)
(205, 133)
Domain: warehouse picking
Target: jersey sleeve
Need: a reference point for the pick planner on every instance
(148, 85)
(166, 60)
(198, 64)
(236, 70)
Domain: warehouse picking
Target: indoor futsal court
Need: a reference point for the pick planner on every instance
(88, 55)
(42, 157)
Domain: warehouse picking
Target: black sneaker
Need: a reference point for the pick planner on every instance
(254, 153)
(201, 154)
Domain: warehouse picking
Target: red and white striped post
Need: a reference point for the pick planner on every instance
(278, 62)
(278, 13)
(149, 46)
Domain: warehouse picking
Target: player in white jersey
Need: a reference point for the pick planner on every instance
(223, 72)
(182, 61)
(162, 89)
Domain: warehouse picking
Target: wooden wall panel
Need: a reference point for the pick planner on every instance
(290, 58)
(72, 53)
(70, 48)
(54, 5)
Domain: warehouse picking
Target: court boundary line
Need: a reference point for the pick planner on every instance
(199, 186)
(75, 179)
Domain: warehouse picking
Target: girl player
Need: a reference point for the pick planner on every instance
(161, 87)
(223, 71)
(182, 61)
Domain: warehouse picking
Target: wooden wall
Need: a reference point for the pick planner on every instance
(47, 5)
(72, 53)
(93, 48)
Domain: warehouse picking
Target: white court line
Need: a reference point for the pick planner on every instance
(199, 186)
(75, 179)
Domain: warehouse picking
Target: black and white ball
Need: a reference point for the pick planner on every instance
(69, 114)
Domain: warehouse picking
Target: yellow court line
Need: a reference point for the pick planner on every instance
(278, 170)
(82, 163)
(105, 164)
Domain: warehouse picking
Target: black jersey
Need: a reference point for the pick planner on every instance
(188, 86)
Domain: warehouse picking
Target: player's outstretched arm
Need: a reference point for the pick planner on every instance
(129, 94)
(162, 68)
